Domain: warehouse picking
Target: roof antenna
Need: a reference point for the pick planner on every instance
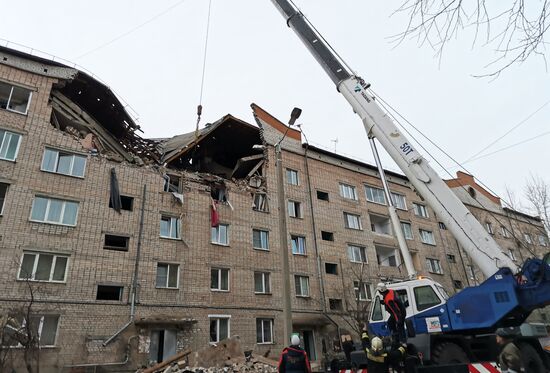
(199, 107)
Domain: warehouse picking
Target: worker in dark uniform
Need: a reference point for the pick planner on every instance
(293, 358)
(395, 307)
(509, 359)
(378, 359)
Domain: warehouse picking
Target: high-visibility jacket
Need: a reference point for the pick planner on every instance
(394, 305)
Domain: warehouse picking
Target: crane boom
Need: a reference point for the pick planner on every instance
(471, 235)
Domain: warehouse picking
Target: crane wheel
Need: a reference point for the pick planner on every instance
(449, 353)
(531, 359)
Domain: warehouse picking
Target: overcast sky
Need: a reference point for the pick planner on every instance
(151, 54)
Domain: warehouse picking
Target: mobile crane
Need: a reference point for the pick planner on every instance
(444, 329)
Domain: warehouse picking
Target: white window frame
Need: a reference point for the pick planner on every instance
(11, 93)
(542, 240)
(421, 210)
(2, 144)
(294, 209)
(260, 202)
(355, 219)
(301, 294)
(218, 235)
(504, 231)
(300, 244)
(292, 177)
(401, 198)
(527, 238)
(219, 285)
(424, 234)
(40, 328)
(56, 165)
(35, 267)
(512, 254)
(217, 319)
(266, 282)
(361, 287)
(348, 191)
(489, 227)
(171, 234)
(168, 272)
(375, 198)
(264, 239)
(360, 250)
(62, 214)
(471, 271)
(4, 198)
(264, 341)
(407, 236)
(434, 266)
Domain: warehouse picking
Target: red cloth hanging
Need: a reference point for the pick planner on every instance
(214, 217)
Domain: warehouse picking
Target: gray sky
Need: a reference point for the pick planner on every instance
(254, 57)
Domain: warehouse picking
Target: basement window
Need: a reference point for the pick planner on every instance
(127, 203)
(323, 196)
(109, 292)
(172, 183)
(327, 236)
(335, 304)
(114, 242)
(331, 268)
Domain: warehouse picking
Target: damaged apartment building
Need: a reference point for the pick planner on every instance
(118, 251)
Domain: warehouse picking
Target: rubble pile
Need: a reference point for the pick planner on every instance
(235, 365)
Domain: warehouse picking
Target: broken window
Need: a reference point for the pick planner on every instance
(167, 275)
(9, 145)
(63, 163)
(48, 267)
(44, 327)
(294, 209)
(220, 234)
(323, 196)
(442, 226)
(298, 244)
(218, 193)
(163, 344)
(264, 331)
(260, 202)
(335, 304)
(327, 236)
(262, 284)
(114, 242)
(301, 284)
(14, 98)
(127, 203)
(260, 239)
(109, 292)
(331, 268)
(219, 328)
(54, 211)
(387, 256)
(3, 191)
(219, 279)
(380, 224)
(169, 227)
(172, 183)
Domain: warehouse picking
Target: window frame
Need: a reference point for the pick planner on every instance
(292, 177)
(257, 202)
(348, 191)
(298, 239)
(164, 217)
(3, 198)
(527, 237)
(406, 223)
(378, 191)
(35, 266)
(39, 329)
(220, 271)
(362, 252)
(512, 254)
(261, 320)
(58, 153)
(422, 237)
(218, 233)
(11, 133)
(403, 197)
(261, 233)
(217, 318)
(423, 308)
(420, 210)
(348, 215)
(432, 263)
(296, 210)
(504, 231)
(12, 86)
(489, 228)
(542, 240)
(358, 286)
(47, 210)
(120, 293)
(168, 272)
(301, 294)
(265, 280)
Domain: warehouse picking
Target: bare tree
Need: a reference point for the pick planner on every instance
(537, 192)
(357, 299)
(514, 28)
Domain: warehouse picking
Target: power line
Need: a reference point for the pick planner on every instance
(131, 30)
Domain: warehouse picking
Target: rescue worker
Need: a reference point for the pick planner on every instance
(378, 359)
(293, 358)
(395, 307)
(509, 359)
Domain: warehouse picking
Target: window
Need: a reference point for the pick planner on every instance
(171, 183)
(292, 177)
(489, 227)
(504, 231)
(294, 209)
(14, 98)
(54, 211)
(168, 275)
(335, 304)
(407, 230)
(220, 234)
(219, 328)
(375, 195)
(542, 240)
(399, 201)
(527, 238)
(42, 326)
(470, 272)
(301, 284)
(169, 227)
(43, 267)
(457, 284)
(451, 258)
(298, 244)
(434, 266)
(420, 210)
(377, 310)
(114, 242)
(9, 145)
(442, 226)
(348, 191)
(219, 279)
(387, 256)
(327, 236)
(331, 268)
(380, 224)
(323, 196)
(427, 236)
(219, 193)
(425, 297)
(65, 163)
(109, 292)
(262, 284)
(126, 203)
(362, 290)
(352, 221)
(3, 190)
(264, 331)
(260, 239)
(512, 254)
(260, 202)
(357, 254)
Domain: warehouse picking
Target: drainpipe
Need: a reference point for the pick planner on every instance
(133, 294)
